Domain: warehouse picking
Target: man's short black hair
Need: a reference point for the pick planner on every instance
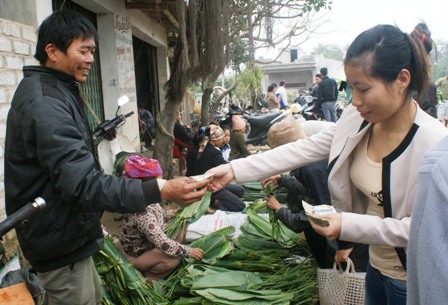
(282, 83)
(324, 71)
(60, 29)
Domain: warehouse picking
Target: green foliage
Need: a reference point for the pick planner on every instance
(331, 51)
(238, 54)
(316, 5)
(187, 215)
(214, 245)
(440, 66)
(120, 280)
(258, 273)
(249, 83)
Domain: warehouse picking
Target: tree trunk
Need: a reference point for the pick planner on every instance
(205, 120)
(163, 148)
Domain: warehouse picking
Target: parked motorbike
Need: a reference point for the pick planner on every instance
(19, 286)
(312, 111)
(339, 109)
(112, 143)
(259, 126)
(224, 119)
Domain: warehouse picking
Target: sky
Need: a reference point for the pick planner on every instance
(348, 18)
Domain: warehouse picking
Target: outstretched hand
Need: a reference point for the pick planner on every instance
(184, 190)
(222, 175)
(333, 230)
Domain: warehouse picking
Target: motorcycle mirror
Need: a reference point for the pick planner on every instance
(122, 101)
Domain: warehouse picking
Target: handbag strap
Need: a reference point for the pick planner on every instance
(350, 268)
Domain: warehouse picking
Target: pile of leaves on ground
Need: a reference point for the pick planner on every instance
(257, 267)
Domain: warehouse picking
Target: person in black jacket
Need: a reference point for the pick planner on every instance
(327, 94)
(202, 158)
(49, 153)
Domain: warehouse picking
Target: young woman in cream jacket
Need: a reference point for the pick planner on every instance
(374, 152)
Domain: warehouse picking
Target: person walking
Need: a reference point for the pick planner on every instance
(327, 95)
(50, 154)
(282, 94)
(374, 153)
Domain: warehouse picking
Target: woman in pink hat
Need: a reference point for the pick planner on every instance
(145, 244)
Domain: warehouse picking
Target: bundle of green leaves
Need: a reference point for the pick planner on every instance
(121, 282)
(187, 215)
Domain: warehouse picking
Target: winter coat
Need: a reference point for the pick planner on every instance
(327, 91)
(428, 245)
(49, 153)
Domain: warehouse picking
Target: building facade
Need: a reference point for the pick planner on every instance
(297, 69)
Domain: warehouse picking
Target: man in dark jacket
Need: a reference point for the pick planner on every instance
(327, 94)
(49, 153)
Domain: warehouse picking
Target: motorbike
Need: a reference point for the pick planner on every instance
(19, 286)
(224, 119)
(257, 126)
(312, 111)
(112, 143)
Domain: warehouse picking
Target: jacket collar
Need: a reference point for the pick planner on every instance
(62, 76)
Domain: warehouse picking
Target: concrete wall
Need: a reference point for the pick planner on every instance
(17, 45)
(23, 11)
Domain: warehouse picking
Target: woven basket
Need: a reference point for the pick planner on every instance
(341, 287)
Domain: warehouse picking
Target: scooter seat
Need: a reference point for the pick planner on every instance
(261, 120)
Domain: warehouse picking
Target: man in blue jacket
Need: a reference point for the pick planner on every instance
(49, 153)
